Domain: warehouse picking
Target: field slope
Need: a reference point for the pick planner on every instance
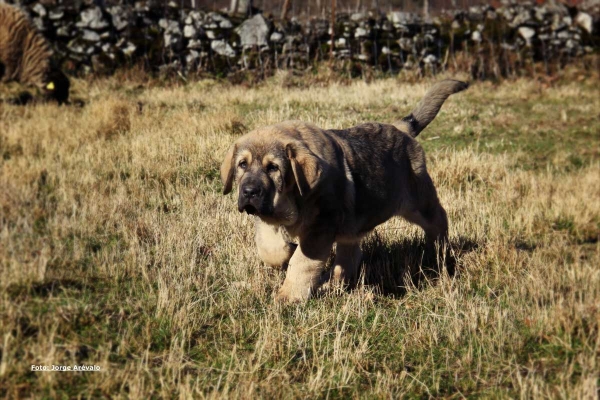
(117, 249)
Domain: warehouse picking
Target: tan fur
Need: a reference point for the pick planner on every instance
(24, 52)
(322, 187)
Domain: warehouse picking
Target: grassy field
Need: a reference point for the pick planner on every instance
(117, 249)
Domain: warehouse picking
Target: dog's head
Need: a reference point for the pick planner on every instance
(57, 86)
(272, 170)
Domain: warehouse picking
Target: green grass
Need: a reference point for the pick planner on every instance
(119, 250)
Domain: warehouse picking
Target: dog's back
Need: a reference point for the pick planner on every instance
(379, 159)
(387, 166)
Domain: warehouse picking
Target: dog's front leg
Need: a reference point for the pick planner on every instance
(304, 272)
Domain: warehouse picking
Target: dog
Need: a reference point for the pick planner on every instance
(324, 186)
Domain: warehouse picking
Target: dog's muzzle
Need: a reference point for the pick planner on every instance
(250, 199)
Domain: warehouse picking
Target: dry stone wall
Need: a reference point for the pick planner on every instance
(89, 36)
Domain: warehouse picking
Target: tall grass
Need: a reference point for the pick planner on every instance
(117, 249)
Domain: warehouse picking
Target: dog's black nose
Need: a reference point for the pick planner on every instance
(251, 191)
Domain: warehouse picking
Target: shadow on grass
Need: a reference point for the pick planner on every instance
(52, 287)
(391, 267)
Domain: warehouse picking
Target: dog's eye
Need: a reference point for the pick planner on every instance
(272, 168)
(243, 164)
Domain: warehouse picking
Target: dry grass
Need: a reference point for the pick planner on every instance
(117, 249)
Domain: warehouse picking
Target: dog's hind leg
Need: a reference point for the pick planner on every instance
(347, 261)
(272, 247)
(428, 213)
(426, 210)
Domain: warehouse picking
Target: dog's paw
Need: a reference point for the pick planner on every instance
(292, 296)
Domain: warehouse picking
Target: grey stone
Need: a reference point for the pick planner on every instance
(189, 31)
(558, 23)
(343, 53)
(585, 21)
(92, 18)
(540, 13)
(196, 16)
(56, 14)
(225, 24)
(399, 17)
(119, 23)
(403, 29)
(523, 17)
(39, 24)
(168, 24)
(194, 44)
(475, 13)
(491, 14)
(216, 16)
(253, 31)
(75, 46)
(430, 59)
(119, 18)
(171, 39)
(405, 44)
(192, 56)
(141, 7)
(222, 48)
(90, 36)
(128, 49)
(173, 28)
(276, 37)
(358, 17)
(40, 10)
(360, 32)
(64, 31)
(526, 33)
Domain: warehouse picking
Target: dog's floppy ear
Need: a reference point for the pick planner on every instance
(228, 170)
(305, 165)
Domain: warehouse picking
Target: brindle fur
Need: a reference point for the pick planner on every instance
(25, 55)
(333, 186)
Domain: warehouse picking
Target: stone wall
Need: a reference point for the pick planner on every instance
(89, 36)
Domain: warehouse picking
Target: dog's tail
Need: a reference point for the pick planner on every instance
(429, 106)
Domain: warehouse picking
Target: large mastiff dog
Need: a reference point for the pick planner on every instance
(319, 187)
